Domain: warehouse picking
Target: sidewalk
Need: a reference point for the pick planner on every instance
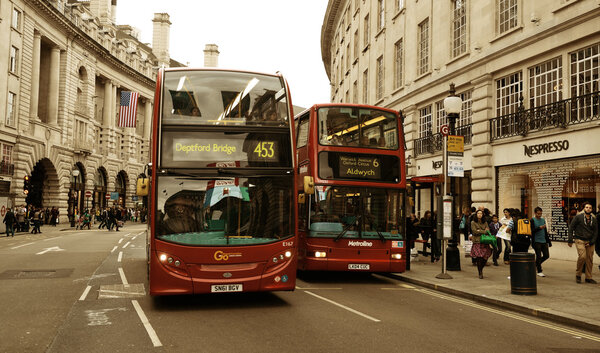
(559, 297)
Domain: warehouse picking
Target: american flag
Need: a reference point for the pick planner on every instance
(128, 109)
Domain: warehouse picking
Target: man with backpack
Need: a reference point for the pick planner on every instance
(583, 231)
(520, 232)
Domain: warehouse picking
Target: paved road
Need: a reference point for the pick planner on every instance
(66, 292)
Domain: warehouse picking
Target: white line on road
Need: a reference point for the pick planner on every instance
(321, 288)
(126, 244)
(115, 248)
(50, 238)
(20, 246)
(120, 240)
(120, 256)
(122, 274)
(149, 329)
(85, 293)
(343, 307)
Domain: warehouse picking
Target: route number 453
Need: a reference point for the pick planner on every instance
(265, 149)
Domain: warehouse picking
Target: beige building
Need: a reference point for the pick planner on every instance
(528, 75)
(65, 65)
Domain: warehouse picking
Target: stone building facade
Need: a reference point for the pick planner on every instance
(65, 65)
(528, 75)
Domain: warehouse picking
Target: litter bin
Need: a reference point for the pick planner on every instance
(522, 273)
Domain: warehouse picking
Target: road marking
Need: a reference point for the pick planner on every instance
(120, 240)
(147, 325)
(50, 238)
(126, 244)
(320, 288)
(54, 248)
(511, 315)
(343, 307)
(20, 246)
(407, 286)
(395, 288)
(99, 317)
(85, 293)
(115, 248)
(120, 256)
(122, 274)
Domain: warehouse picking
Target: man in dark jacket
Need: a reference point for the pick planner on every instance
(583, 230)
(10, 221)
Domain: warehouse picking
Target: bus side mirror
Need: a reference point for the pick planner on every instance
(309, 185)
(301, 198)
(142, 186)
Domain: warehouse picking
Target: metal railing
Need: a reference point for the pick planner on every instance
(434, 142)
(561, 114)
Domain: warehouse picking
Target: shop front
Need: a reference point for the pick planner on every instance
(557, 173)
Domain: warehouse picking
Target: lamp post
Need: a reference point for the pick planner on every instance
(452, 107)
(75, 174)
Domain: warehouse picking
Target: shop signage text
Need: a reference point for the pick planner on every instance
(549, 147)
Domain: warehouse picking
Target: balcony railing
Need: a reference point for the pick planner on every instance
(560, 114)
(434, 143)
(7, 168)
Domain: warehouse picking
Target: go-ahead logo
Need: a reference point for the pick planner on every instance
(224, 256)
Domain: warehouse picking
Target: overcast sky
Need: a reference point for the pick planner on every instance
(260, 35)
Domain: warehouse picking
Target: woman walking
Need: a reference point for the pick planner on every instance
(480, 252)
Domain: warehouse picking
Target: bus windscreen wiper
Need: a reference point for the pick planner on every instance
(346, 228)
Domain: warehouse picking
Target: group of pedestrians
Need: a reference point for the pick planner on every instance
(22, 218)
(111, 217)
(426, 228)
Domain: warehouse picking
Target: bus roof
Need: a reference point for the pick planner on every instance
(349, 105)
(169, 69)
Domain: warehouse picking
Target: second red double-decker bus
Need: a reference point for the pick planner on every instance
(352, 182)
(223, 194)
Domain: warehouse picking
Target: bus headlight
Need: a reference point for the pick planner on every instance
(320, 254)
(288, 254)
(162, 257)
(396, 256)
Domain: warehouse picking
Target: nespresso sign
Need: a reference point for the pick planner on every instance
(549, 147)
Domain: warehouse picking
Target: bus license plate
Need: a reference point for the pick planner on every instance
(359, 266)
(221, 288)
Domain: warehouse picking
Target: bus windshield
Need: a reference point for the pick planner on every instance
(352, 212)
(358, 127)
(223, 98)
(231, 211)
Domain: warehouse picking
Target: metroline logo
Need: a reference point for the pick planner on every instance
(360, 243)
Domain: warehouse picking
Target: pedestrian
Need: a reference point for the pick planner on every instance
(583, 230)
(36, 219)
(21, 219)
(426, 227)
(472, 217)
(462, 226)
(540, 240)
(412, 222)
(494, 227)
(10, 220)
(520, 236)
(480, 252)
(504, 221)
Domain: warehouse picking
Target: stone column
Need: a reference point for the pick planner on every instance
(410, 134)
(113, 109)
(53, 86)
(107, 104)
(147, 120)
(35, 75)
(482, 183)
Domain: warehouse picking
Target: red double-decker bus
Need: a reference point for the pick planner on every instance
(223, 200)
(352, 186)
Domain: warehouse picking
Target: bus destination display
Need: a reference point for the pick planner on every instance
(359, 167)
(185, 149)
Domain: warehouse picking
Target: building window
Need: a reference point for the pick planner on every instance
(14, 59)
(440, 116)
(398, 63)
(356, 44)
(585, 79)
(355, 92)
(459, 28)
(399, 5)
(10, 109)
(348, 57)
(348, 16)
(380, 78)
(366, 32)
(423, 53)
(425, 122)
(506, 14)
(466, 111)
(366, 87)
(381, 14)
(508, 91)
(7, 154)
(545, 83)
(16, 19)
(342, 62)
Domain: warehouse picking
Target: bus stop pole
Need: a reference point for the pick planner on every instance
(444, 211)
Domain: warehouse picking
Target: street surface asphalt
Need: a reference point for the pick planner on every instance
(85, 291)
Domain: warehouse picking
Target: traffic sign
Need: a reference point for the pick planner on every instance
(107, 196)
(444, 130)
(88, 193)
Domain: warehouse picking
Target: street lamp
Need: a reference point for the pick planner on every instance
(75, 174)
(452, 107)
